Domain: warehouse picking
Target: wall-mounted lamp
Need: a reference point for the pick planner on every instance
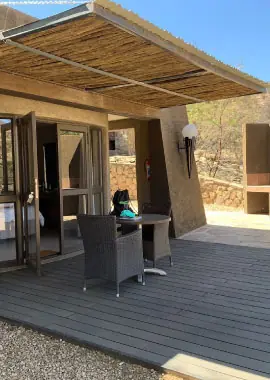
(189, 133)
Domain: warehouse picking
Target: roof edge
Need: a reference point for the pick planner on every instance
(132, 23)
(202, 58)
(83, 10)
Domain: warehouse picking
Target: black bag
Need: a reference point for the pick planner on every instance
(120, 202)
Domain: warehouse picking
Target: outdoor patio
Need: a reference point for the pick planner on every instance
(209, 318)
(233, 228)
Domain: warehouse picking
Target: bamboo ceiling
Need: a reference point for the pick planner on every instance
(98, 43)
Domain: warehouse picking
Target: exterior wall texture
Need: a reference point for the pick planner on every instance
(157, 140)
(256, 166)
(214, 191)
(10, 18)
(223, 193)
(123, 176)
(124, 142)
(185, 193)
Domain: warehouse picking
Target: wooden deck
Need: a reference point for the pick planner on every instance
(209, 318)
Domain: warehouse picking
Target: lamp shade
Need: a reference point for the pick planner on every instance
(190, 131)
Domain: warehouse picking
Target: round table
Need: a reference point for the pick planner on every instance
(144, 219)
(147, 219)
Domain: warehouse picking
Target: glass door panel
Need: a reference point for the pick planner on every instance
(81, 179)
(96, 157)
(97, 178)
(6, 158)
(74, 167)
(97, 204)
(73, 159)
(7, 233)
(10, 250)
(30, 189)
(72, 206)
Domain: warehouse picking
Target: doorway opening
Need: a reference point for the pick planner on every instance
(123, 171)
(49, 199)
(49, 173)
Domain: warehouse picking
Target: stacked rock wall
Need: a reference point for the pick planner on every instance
(221, 192)
(214, 191)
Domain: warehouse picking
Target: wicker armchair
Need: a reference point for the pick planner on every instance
(156, 237)
(107, 256)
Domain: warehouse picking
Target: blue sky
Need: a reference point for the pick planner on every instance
(235, 31)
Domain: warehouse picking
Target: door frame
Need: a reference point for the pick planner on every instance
(29, 184)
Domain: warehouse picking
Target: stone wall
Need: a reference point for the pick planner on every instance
(221, 192)
(124, 142)
(123, 176)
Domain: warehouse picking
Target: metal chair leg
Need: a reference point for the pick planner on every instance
(171, 262)
(143, 279)
(117, 291)
(84, 286)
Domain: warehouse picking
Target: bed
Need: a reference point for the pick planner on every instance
(7, 221)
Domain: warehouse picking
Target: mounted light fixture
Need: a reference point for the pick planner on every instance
(190, 134)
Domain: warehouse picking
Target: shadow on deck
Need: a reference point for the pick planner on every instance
(209, 318)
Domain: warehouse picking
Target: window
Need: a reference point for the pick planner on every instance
(6, 157)
(73, 158)
(111, 140)
(7, 232)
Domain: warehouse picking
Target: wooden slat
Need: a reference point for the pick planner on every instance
(101, 43)
(188, 325)
(207, 87)
(210, 312)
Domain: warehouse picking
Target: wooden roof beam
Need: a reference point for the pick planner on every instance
(12, 84)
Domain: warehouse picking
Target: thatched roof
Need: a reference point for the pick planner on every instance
(10, 18)
(133, 59)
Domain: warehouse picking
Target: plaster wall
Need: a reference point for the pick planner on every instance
(157, 140)
(185, 193)
(256, 166)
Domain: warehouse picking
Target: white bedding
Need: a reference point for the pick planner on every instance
(7, 220)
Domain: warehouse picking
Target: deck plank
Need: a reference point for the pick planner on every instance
(209, 318)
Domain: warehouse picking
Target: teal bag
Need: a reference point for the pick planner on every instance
(127, 214)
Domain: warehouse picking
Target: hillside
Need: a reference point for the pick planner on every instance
(10, 18)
